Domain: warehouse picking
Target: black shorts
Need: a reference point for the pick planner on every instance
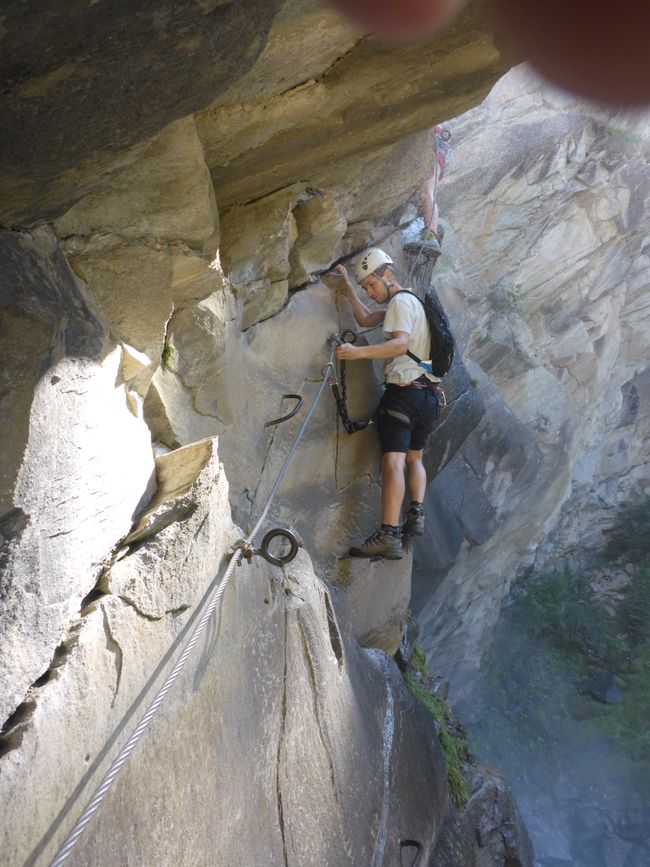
(405, 417)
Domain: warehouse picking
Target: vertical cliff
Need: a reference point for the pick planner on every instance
(173, 193)
(545, 274)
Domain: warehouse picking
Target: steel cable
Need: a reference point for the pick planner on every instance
(125, 753)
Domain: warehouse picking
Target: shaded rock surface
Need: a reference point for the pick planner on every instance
(487, 831)
(267, 105)
(377, 594)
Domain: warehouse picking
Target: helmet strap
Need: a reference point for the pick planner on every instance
(388, 285)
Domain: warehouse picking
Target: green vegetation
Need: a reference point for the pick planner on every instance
(505, 299)
(630, 537)
(559, 655)
(452, 741)
(168, 355)
(634, 610)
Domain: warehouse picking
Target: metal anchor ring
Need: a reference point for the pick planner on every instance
(263, 550)
(349, 336)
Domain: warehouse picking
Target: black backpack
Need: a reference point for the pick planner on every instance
(441, 352)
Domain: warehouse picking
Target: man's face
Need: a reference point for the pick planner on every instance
(375, 288)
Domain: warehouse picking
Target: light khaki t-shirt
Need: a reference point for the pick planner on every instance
(406, 313)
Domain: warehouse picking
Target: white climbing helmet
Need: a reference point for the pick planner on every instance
(371, 261)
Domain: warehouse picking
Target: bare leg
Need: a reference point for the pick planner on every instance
(394, 487)
(426, 201)
(416, 476)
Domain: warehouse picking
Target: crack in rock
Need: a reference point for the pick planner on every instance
(322, 734)
(113, 647)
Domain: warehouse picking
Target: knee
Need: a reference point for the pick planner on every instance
(413, 459)
(392, 463)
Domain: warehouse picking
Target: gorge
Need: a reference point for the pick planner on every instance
(169, 227)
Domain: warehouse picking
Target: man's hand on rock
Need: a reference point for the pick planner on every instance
(341, 271)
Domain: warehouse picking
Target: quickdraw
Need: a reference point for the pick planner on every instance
(339, 387)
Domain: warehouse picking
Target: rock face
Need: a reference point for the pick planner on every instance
(283, 91)
(260, 757)
(177, 292)
(76, 108)
(546, 279)
(488, 830)
(79, 463)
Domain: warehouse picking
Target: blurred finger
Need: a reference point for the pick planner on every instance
(595, 49)
(395, 21)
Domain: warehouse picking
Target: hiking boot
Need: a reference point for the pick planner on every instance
(430, 241)
(383, 543)
(414, 523)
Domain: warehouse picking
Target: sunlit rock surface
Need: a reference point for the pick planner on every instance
(79, 463)
(545, 274)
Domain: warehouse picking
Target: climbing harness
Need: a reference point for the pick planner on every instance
(339, 388)
(210, 607)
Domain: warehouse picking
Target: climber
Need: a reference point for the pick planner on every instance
(427, 194)
(409, 405)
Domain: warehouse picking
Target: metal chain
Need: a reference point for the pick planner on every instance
(214, 599)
